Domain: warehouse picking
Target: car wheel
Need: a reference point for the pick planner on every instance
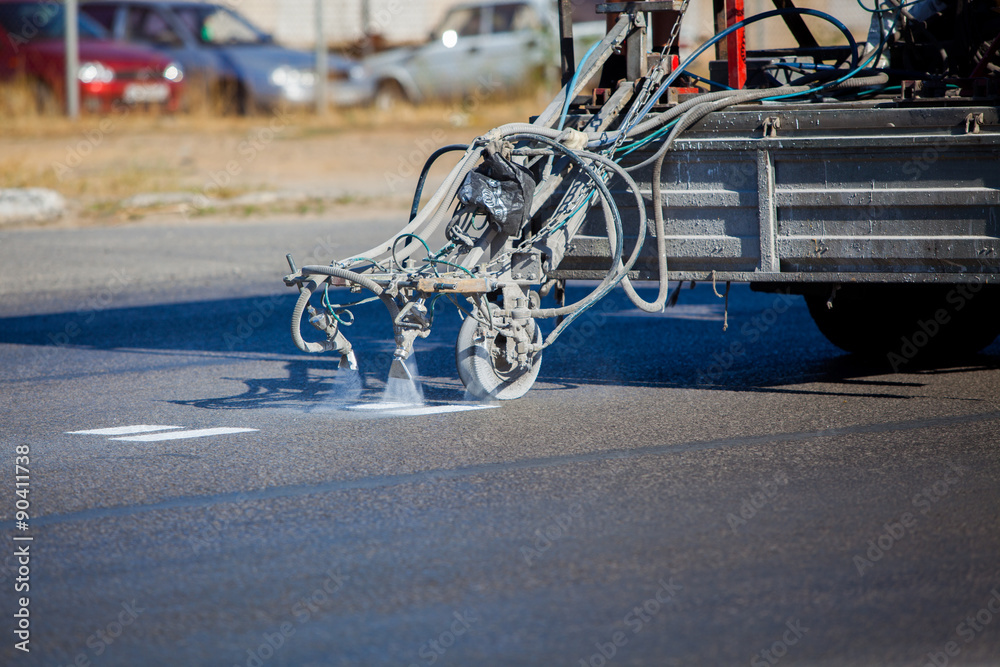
(389, 96)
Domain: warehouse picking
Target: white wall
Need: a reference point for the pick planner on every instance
(292, 22)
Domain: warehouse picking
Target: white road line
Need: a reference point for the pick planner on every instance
(179, 435)
(380, 406)
(398, 410)
(124, 430)
(438, 410)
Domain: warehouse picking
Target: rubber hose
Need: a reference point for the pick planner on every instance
(699, 111)
(663, 118)
(606, 196)
(421, 223)
(657, 196)
(337, 272)
(415, 208)
(300, 306)
(862, 82)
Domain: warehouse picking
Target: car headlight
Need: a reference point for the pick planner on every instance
(173, 72)
(289, 77)
(93, 71)
(357, 72)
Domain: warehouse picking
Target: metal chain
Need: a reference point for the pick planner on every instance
(676, 28)
(651, 79)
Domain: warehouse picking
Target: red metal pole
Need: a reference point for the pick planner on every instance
(736, 46)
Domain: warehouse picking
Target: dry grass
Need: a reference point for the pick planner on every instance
(349, 156)
(22, 119)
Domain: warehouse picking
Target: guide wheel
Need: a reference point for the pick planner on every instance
(481, 355)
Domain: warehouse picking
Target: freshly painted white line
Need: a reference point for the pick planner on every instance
(124, 430)
(380, 406)
(180, 435)
(436, 410)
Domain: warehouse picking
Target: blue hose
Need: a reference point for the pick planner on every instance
(736, 26)
(572, 84)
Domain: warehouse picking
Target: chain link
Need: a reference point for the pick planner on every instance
(651, 78)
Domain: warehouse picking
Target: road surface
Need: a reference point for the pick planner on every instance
(201, 493)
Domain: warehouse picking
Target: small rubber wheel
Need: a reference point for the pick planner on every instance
(483, 366)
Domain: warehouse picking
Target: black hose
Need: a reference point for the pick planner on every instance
(423, 174)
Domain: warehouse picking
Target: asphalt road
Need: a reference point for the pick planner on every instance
(667, 494)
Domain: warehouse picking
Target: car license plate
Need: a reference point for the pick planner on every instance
(146, 92)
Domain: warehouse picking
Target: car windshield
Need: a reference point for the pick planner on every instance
(464, 21)
(29, 21)
(218, 25)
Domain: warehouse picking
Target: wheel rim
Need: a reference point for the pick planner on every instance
(483, 365)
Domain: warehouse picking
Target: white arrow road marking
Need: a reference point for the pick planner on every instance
(124, 430)
(180, 435)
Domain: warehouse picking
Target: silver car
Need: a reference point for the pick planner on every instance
(479, 48)
(228, 58)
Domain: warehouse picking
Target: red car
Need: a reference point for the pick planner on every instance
(32, 47)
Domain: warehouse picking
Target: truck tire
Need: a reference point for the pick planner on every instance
(909, 323)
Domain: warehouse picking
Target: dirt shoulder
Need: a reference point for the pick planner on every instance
(143, 169)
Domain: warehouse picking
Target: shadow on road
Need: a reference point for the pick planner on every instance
(771, 344)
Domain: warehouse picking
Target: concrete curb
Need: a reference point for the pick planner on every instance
(19, 205)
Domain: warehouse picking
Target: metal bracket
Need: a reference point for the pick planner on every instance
(771, 126)
(634, 7)
(973, 122)
(526, 266)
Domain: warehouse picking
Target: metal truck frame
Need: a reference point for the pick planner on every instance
(840, 173)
